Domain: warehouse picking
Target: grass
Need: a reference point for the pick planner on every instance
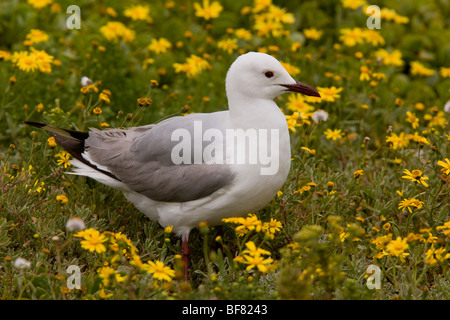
(336, 221)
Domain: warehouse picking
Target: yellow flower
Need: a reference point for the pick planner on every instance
(415, 176)
(429, 256)
(415, 137)
(160, 45)
(85, 233)
(295, 46)
(381, 241)
(433, 255)
(260, 5)
(5, 55)
(329, 94)
(115, 31)
(397, 247)
(334, 135)
(120, 278)
(358, 173)
(343, 235)
(439, 120)
(111, 12)
(292, 121)
(419, 69)
(428, 236)
(445, 166)
(102, 97)
(106, 273)
(353, 4)
(419, 106)
(390, 15)
(51, 142)
(16, 56)
(379, 75)
(445, 227)
(351, 37)
(137, 12)
(398, 141)
(39, 4)
(97, 111)
(36, 36)
(93, 241)
(411, 118)
(399, 102)
(280, 15)
(272, 226)
(365, 74)
(159, 270)
(228, 45)
(311, 151)
(312, 34)
(64, 159)
(303, 189)
(193, 66)
(257, 262)
(143, 102)
(235, 220)
(89, 88)
(168, 229)
(250, 223)
(373, 37)
(265, 26)
(408, 203)
(381, 254)
(208, 11)
(25, 61)
(390, 59)
(253, 250)
(444, 72)
(242, 33)
(43, 60)
(62, 198)
(103, 295)
(38, 188)
(291, 69)
(270, 20)
(296, 103)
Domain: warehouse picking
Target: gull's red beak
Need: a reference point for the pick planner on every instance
(302, 88)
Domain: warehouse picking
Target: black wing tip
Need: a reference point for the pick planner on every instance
(35, 124)
(78, 135)
(74, 147)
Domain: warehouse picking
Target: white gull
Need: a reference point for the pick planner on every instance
(140, 161)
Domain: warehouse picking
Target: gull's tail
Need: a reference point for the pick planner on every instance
(73, 142)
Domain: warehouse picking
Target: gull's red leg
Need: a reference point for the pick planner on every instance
(185, 252)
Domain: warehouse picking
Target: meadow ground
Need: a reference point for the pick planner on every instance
(364, 213)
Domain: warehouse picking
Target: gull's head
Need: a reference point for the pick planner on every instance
(259, 75)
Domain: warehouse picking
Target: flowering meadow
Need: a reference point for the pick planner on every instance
(364, 213)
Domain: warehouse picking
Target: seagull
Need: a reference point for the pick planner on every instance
(201, 167)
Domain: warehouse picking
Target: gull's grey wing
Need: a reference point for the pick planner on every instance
(141, 158)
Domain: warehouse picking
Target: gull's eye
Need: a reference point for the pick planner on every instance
(269, 74)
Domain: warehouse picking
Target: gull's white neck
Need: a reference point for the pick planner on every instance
(257, 113)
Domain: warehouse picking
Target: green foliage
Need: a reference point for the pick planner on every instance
(345, 206)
